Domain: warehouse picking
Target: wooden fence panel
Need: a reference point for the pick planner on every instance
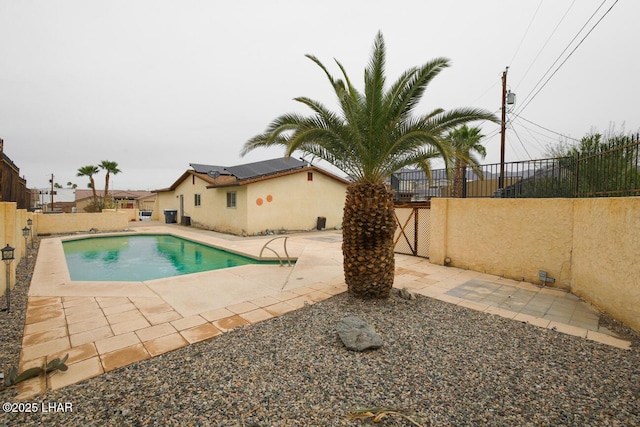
(412, 234)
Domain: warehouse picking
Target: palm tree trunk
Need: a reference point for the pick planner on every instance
(458, 179)
(95, 196)
(106, 202)
(368, 226)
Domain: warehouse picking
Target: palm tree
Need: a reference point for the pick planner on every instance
(90, 171)
(111, 168)
(464, 141)
(373, 135)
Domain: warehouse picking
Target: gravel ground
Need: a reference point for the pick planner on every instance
(441, 365)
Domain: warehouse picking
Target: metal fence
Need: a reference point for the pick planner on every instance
(612, 170)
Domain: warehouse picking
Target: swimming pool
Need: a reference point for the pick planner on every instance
(140, 257)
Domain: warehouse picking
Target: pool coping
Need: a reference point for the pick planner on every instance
(131, 232)
(51, 276)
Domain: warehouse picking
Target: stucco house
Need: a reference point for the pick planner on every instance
(249, 199)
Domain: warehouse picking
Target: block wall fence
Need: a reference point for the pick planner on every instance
(589, 246)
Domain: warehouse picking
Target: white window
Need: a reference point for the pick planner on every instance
(231, 199)
(196, 200)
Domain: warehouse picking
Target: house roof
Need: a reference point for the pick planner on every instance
(210, 170)
(266, 167)
(250, 170)
(219, 176)
(209, 178)
(116, 194)
(278, 175)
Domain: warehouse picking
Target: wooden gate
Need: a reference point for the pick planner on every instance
(412, 234)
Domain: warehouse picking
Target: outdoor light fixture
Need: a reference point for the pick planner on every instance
(8, 257)
(25, 233)
(29, 224)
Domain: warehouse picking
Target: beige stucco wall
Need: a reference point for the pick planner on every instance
(514, 238)
(212, 213)
(289, 202)
(83, 203)
(589, 246)
(132, 214)
(12, 221)
(164, 200)
(606, 247)
(293, 202)
(8, 236)
(70, 223)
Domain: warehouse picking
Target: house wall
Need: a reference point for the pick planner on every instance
(289, 202)
(83, 203)
(589, 246)
(164, 200)
(13, 188)
(292, 202)
(223, 219)
(212, 213)
(146, 203)
(191, 186)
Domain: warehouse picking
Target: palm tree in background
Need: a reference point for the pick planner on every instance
(465, 143)
(90, 171)
(373, 135)
(112, 169)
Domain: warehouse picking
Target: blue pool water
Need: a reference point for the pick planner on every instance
(143, 257)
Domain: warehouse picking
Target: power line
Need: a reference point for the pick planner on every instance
(541, 146)
(520, 140)
(527, 99)
(547, 129)
(564, 50)
(526, 32)
(531, 131)
(485, 92)
(574, 49)
(532, 138)
(545, 43)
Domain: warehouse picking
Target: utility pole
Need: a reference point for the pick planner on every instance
(51, 181)
(503, 126)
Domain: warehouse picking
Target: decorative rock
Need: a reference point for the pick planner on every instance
(357, 335)
(405, 293)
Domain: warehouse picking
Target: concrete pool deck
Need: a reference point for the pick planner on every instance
(104, 326)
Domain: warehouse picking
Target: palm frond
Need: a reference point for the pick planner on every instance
(374, 132)
(408, 90)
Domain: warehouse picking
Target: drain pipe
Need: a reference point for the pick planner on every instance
(544, 277)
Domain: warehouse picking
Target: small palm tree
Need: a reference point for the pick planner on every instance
(464, 144)
(90, 171)
(373, 135)
(112, 169)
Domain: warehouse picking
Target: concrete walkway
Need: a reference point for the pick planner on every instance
(107, 325)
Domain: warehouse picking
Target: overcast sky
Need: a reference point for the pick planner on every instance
(156, 85)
